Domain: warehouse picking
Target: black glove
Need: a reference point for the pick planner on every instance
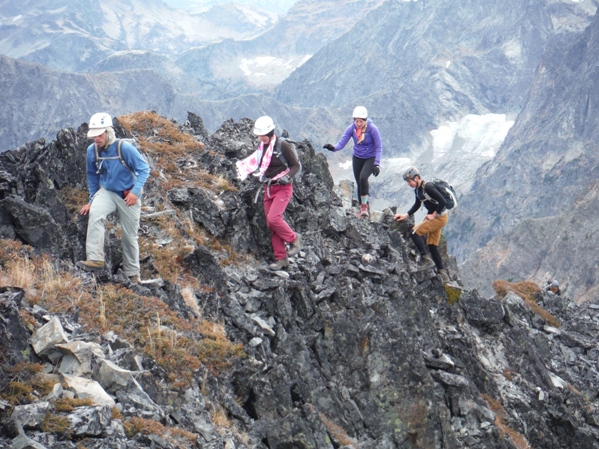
(376, 170)
(329, 147)
(284, 180)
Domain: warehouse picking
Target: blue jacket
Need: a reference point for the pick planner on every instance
(371, 146)
(113, 175)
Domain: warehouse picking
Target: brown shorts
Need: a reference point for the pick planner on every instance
(432, 229)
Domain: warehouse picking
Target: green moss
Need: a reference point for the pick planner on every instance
(26, 353)
(453, 294)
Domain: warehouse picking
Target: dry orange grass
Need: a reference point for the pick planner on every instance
(178, 345)
(183, 236)
(171, 340)
(173, 154)
(57, 287)
(150, 426)
(337, 431)
(528, 291)
(18, 273)
(221, 420)
(73, 198)
(26, 383)
(191, 300)
(501, 416)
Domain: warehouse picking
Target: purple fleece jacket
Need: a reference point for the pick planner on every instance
(370, 146)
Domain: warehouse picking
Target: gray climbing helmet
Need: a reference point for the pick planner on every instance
(409, 173)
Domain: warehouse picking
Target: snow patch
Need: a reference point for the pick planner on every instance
(513, 50)
(256, 17)
(270, 70)
(459, 149)
(479, 135)
(345, 165)
(396, 164)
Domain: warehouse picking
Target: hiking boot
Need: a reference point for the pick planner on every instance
(295, 245)
(426, 261)
(364, 210)
(279, 265)
(442, 275)
(135, 279)
(91, 265)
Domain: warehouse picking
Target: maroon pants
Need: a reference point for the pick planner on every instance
(274, 207)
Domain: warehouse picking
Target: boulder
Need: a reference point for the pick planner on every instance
(45, 339)
(84, 388)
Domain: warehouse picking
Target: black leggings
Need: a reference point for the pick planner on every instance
(362, 171)
(433, 249)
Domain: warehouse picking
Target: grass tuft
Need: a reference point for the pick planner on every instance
(501, 416)
(152, 427)
(55, 424)
(25, 383)
(453, 294)
(337, 431)
(68, 404)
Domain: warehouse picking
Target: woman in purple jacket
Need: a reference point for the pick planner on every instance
(368, 150)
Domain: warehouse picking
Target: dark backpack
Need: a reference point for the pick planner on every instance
(447, 191)
(277, 152)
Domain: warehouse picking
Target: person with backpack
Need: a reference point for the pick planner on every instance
(275, 163)
(368, 150)
(436, 218)
(116, 174)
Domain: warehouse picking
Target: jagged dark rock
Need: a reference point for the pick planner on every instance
(12, 329)
(356, 346)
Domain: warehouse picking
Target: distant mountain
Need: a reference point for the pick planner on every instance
(420, 64)
(260, 64)
(43, 100)
(178, 80)
(40, 101)
(533, 209)
(72, 35)
(277, 6)
(422, 67)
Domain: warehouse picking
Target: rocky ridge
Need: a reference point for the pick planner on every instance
(355, 346)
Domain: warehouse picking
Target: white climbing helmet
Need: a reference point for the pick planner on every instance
(98, 124)
(360, 112)
(263, 125)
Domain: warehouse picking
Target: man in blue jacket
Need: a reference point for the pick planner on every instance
(115, 180)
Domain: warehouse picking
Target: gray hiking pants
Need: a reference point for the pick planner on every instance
(104, 203)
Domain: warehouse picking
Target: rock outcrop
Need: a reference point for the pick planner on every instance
(354, 346)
